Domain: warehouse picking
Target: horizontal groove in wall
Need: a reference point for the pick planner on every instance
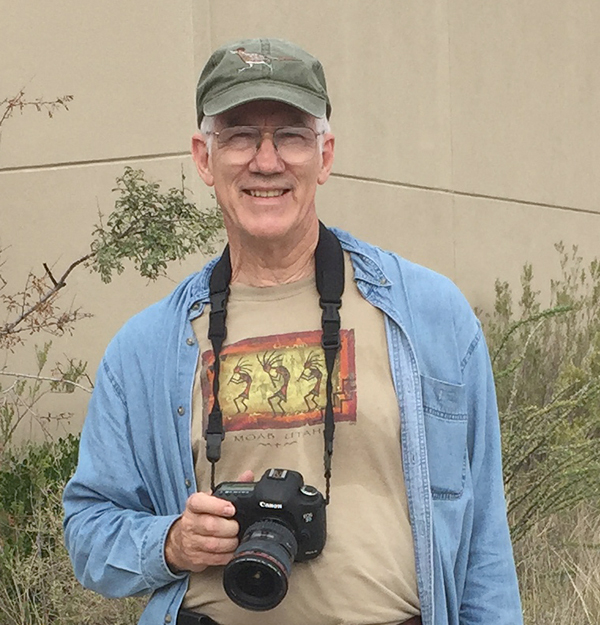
(391, 183)
(483, 196)
(90, 163)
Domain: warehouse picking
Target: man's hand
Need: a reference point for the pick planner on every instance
(205, 534)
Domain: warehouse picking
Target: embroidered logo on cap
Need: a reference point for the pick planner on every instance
(256, 58)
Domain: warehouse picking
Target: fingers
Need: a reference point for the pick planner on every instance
(203, 503)
(204, 535)
(246, 476)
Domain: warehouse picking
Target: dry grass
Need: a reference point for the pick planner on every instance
(39, 588)
(559, 569)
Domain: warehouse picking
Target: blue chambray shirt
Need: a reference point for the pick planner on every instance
(136, 470)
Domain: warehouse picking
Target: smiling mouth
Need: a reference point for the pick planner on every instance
(265, 193)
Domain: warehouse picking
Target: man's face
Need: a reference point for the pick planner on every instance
(267, 198)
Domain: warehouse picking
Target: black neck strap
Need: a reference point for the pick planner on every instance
(329, 275)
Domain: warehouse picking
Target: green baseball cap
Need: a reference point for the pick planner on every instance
(262, 69)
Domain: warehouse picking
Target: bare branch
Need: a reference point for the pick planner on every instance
(47, 296)
(18, 102)
(28, 376)
(50, 274)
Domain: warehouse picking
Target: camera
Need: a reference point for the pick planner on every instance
(281, 520)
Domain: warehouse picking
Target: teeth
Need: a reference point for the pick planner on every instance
(273, 193)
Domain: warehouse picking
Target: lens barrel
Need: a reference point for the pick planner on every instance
(257, 577)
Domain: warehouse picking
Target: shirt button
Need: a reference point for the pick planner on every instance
(196, 306)
(188, 483)
(181, 410)
(382, 281)
(168, 618)
(190, 341)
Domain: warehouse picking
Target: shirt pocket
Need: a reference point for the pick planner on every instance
(445, 409)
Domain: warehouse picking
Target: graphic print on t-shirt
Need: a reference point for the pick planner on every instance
(278, 381)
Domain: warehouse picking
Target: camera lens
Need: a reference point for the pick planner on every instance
(257, 577)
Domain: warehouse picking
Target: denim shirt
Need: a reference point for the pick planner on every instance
(136, 470)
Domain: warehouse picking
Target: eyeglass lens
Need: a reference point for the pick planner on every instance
(294, 145)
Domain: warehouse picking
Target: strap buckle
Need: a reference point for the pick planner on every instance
(331, 310)
(214, 435)
(213, 446)
(217, 330)
(218, 301)
(330, 337)
(331, 341)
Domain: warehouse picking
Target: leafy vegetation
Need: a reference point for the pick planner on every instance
(151, 228)
(547, 369)
(37, 586)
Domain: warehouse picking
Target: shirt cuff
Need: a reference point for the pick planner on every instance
(154, 565)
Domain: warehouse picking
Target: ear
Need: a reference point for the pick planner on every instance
(202, 158)
(327, 156)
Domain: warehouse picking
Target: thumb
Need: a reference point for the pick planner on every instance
(246, 476)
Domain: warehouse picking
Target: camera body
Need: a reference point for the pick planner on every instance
(280, 496)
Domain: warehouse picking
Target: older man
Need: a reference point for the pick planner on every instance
(246, 370)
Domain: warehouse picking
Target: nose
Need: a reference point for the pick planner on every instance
(267, 159)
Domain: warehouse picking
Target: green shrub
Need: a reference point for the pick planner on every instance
(547, 368)
(37, 585)
(26, 475)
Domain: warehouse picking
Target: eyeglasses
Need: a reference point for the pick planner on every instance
(294, 144)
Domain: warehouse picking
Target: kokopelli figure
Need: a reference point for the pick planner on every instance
(241, 375)
(313, 370)
(273, 365)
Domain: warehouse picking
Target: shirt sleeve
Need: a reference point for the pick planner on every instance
(491, 593)
(113, 534)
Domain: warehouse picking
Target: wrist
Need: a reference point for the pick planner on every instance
(171, 550)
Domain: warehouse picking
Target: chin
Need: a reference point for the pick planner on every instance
(269, 233)
(271, 228)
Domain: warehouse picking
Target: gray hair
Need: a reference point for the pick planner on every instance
(319, 124)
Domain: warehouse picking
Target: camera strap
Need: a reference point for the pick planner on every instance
(329, 276)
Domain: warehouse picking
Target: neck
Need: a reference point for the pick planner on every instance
(278, 261)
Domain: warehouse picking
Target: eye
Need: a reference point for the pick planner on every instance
(242, 133)
(238, 137)
(291, 136)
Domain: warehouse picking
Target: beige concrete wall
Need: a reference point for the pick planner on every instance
(468, 133)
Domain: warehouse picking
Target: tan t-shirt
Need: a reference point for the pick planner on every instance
(272, 395)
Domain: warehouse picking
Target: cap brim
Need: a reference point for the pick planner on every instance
(266, 90)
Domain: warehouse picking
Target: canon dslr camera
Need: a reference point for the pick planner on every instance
(281, 520)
